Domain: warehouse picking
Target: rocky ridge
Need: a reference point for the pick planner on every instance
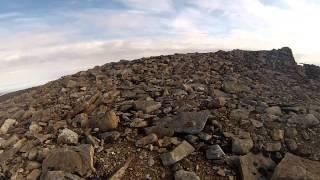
(225, 115)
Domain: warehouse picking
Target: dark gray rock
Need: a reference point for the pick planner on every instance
(189, 122)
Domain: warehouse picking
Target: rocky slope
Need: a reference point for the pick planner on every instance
(225, 115)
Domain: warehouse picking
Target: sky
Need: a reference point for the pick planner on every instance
(42, 40)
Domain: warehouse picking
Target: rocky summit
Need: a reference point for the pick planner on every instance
(234, 115)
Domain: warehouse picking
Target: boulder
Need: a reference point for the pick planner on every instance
(71, 159)
(296, 168)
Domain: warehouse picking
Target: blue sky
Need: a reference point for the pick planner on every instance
(41, 40)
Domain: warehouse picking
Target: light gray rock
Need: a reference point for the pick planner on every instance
(181, 151)
(8, 123)
(68, 136)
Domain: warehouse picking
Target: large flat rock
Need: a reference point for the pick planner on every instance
(296, 168)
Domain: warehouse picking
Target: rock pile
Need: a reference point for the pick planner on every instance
(225, 115)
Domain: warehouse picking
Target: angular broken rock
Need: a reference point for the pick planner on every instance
(189, 122)
(72, 159)
(149, 139)
(180, 152)
(67, 136)
(185, 175)
(105, 122)
(256, 167)
(215, 152)
(146, 106)
(241, 146)
(7, 125)
(295, 168)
